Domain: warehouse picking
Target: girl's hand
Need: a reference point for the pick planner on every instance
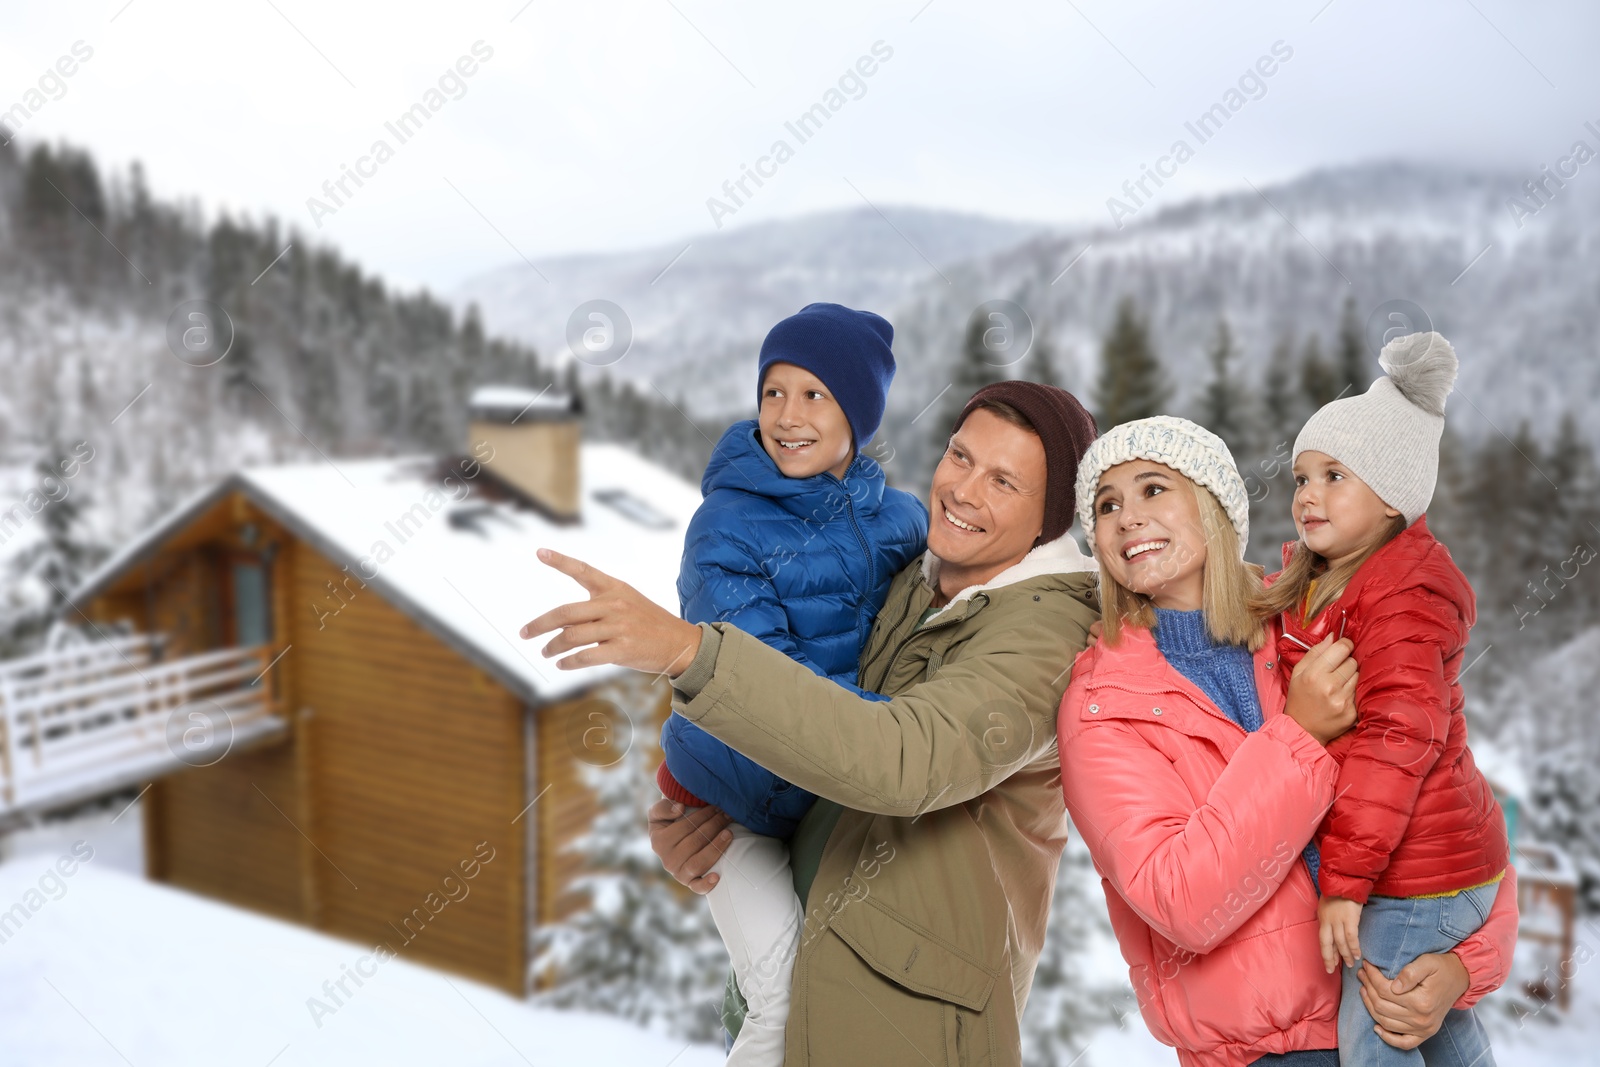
(1322, 690)
(1339, 920)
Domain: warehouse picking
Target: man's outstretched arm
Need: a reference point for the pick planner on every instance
(946, 740)
(941, 742)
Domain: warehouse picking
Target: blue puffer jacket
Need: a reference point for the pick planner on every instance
(803, 564)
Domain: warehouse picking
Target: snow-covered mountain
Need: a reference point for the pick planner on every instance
(1518, 302)
(1516, 296)
(699, 308)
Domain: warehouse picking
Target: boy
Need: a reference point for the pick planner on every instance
(795, 544)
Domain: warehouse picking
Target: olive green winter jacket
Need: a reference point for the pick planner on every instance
(927, 914)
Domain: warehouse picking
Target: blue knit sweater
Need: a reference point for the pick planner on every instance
(1225, 673)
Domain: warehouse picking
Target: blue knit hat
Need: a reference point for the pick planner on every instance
(847, 349)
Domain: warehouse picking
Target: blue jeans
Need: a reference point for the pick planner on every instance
(1317, 1057)
(1394, 932)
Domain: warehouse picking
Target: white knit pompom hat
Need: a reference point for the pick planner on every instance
(1389, 435)
(1188, 448)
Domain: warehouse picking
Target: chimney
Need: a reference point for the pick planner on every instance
(534, 436)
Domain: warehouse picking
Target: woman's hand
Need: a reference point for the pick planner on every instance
(624, 626)
(1410, 1009)
(1339, 919)
(689, 845)
(1322, 690)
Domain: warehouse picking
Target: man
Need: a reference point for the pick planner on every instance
(927, 869)
(934, 851)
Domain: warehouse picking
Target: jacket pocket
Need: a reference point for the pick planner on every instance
(912, 958)
(854, 1014)
(1462, 915)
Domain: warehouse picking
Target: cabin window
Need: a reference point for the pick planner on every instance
(632, 507)
(251, 623)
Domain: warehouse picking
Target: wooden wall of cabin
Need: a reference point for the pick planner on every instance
(405, 762)
(221, 830)
(404, 769)
(416, 763)
(571, 737)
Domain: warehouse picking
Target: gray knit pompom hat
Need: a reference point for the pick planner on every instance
(1188, 448)
(1389, 435)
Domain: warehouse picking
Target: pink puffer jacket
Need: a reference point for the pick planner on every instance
(1196, 829)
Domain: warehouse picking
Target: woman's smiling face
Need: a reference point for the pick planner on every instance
(1147, 533)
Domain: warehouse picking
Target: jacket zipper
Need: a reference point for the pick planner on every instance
(872, 564)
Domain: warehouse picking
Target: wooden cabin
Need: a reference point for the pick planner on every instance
(428, 777)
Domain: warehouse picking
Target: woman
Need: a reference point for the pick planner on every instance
(1198, 778)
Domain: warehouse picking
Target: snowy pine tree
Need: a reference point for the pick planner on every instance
(1132, 384)
(1064, 1006)
(1564, 810)
(1040, 364)
(58, 561)
(975, 369)
(1222, 405)
(1282, 414)
(646, 948)
(1318, 382)
(1356, 369)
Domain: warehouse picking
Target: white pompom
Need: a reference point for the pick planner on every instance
(1423, 367)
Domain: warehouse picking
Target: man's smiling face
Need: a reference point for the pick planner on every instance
(986, 506)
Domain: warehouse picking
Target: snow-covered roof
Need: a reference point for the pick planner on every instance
(460, 563)
(513, 402)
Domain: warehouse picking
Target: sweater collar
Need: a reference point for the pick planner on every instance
(1182, 633)
(1061, 556)
(1136, 663)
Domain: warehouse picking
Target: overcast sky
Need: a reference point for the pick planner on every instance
(608, 125)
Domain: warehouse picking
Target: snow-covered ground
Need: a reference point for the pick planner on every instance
(115, 970)
(112, 969)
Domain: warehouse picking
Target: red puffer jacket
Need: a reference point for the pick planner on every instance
(1413, 815)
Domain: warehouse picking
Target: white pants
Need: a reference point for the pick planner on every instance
(759, 917)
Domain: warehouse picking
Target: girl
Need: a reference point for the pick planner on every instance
(1197, 777)
(1412, 853)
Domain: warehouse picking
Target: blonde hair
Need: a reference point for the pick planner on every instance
(1229, 585)
(1288, 592)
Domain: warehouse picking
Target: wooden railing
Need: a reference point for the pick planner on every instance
(99, 711)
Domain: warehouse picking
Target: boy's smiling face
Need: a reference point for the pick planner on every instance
(803, 428)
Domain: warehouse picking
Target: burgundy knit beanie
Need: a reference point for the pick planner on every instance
(1066, 429)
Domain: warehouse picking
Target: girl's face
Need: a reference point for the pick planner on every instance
(803, 428)
(1335, 513)
(1147, 533)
